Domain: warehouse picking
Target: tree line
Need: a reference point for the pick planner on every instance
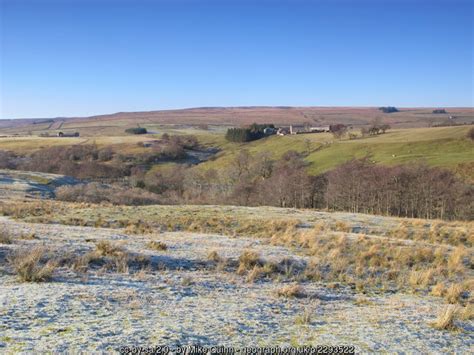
(358, 186)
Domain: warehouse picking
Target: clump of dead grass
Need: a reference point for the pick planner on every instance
(35, 265)
(5, 236)
(453, 293)
(214, 256)
(157, 245)
(248, 260)
(291, 291)
(446, 319)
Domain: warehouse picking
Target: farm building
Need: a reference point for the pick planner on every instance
(319, 129)
(283, 131)
(294, 129)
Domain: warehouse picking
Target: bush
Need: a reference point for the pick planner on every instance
(136, 130)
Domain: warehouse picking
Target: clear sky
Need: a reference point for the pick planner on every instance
(85, 57)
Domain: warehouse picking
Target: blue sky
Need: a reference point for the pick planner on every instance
(85, 57)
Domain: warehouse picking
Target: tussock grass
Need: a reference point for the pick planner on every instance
(446, 318)
(157, 245)
(5, 236)
(291, 291)
(365, 263)
(466, 313)
(106, 248)
(214, 256)
(34, 265)
(438, 290)
(453, 293)
(248, 260)
(304, 318)
(111, 257)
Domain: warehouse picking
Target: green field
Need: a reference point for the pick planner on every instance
(444, 147)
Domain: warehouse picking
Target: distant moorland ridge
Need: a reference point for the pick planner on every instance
(406, 117)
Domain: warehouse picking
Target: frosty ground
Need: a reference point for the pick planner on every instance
(183, 299)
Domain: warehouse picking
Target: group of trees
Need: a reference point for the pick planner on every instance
(439, 110)
(388, 109)
(356, 186)
(405, 191)
(136, 130)
(247, 134)
(375, 128)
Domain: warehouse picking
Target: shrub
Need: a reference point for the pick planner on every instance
(33, 265)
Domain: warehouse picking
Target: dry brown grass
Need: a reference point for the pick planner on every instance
(456, 259)
(110, 256)
(5, 236)
(34, 265)
(291, 291)
(446, 318)
(466, 313)
(214, 256)
(365, 263)
(248, 260)
(138, 227)
(438, 290)
(157, 245)
(421, 278)
(304, 318)
(453, 293)
(106, 248)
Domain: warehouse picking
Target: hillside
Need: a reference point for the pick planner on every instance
(114, 124)
(444, 146)
(438, 146)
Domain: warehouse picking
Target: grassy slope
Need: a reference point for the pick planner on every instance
(444, 147)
